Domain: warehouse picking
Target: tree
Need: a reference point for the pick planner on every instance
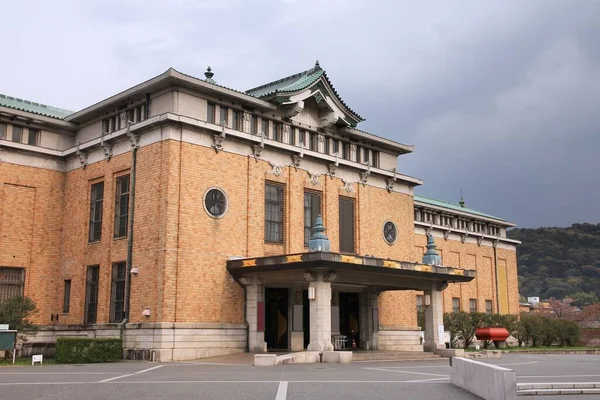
(16, 312)
(562, 308)
(581, 299)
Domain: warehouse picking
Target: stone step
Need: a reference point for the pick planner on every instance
(392, 355)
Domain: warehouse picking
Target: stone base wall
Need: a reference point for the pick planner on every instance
(399, 340)
(184, 341)
(151, 341)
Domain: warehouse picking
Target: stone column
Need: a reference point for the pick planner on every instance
(320, 310)
(369, 325)
(434, 319)
(255, 305)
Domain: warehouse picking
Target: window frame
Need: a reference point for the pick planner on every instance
(224, 112)
(118, 285)
(121, 228)
(455, 305)
(20, 130)
(490, 309)
(3, 130)
(274, 222)
(264, 124)
(420, 303)
(91, 288)
(35, 133)
(471, 308)
(211, 112)
(308, 228)
(66, 296)
(12, 282)
(96, 206)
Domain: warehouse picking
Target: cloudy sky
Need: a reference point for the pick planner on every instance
(501, 98)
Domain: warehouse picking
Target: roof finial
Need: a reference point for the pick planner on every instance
(208, 74)
(317, 66)
(462, 201)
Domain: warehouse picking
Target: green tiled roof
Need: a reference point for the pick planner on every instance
(30, 106)
(454, 206)
(295, 83)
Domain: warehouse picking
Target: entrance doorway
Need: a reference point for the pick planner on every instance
(276, 318)
(349, 317)
(306, 318)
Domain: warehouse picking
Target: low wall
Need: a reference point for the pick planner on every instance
(399, 340)
(487, 381)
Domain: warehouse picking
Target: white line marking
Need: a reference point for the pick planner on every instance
(282, 391)
(44, 383)
(558, 383)
(406, 372)
(201, 382)
(427, 380)
(403, 367)
(60, 373)
(207, 363)
(523, 363)
(135, 373)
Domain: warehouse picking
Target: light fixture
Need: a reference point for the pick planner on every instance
(135, 270)
(312, 293)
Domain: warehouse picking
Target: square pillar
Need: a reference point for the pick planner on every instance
(369, 323)
(434, 319)
(320, 310)
(255, 313)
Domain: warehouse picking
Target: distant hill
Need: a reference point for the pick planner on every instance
(559, 262)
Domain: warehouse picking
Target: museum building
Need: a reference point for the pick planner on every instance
(195, 220)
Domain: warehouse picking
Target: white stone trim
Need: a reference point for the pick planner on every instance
(421, 228)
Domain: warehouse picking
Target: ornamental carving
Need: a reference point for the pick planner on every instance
(313, 178)
(276, 170)
(348, 186)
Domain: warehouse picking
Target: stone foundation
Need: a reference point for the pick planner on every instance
(399, 340)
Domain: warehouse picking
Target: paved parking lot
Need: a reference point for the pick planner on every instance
(377, 380)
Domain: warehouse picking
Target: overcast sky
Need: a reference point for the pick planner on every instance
(501, 98)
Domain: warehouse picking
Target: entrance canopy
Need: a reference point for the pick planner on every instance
(382, 274)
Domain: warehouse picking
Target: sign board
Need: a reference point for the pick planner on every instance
(3, 327)
(440, 332)
(8, 340)
(37, 358)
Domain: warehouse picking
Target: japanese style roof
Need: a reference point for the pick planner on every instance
(296, 83)
(32, 107)
(454, 207)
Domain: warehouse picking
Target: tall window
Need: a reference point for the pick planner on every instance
(67, 296)
(455, 304)
(472, 305)
(346, 151)
(376, 160)
(367, 153)
(336, 146)
(346, 225)
(121, 206)
(210, 112)
(12, 282)
(17, 133)
(419, 302)
(488, 306)
(326, 139)
(96, 200)
(312, 208)
(33, 138)
(91, 295)
(265, 127)
(2, 131)
(253, 125)
(313, 141)
(273, 213)
(238, 120)
(117, 292)
(224, 116)
(292, 137)
(277, 133)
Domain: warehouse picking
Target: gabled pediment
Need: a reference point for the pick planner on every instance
(292, 92)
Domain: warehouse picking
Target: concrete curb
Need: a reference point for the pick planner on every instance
(553, 389)
(555, 392)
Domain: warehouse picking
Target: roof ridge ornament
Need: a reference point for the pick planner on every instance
(317, 65)
(209, 75)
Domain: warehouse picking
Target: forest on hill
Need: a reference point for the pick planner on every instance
(559, 262)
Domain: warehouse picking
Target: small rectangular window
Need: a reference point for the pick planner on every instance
(224, 116)
(117, 292)
(210, 112)
(302, 138)
(137, 114)
(121, 206)
(277, 134)
(96, 200)
(2, 131)
(238, 120)
(336, 147)
(358, 154)
(313, 141)
(346, 151)
(67, 296)
(347, 225)
(312, 208)
(292, 137)
(419, 302)
(472, 305)
(265, 127)
(455, 305)
(33, 138)
(253, 125)
(376, 159)
(12, 282)
(366, 154)
(488, 306)
(273, 213)
(91, 295)
(17, 134)
(327, 149)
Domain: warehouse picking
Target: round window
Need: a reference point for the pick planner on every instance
(215, 202)
(390, 232)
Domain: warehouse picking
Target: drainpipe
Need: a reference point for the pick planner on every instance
(496, 275)
(134, 148)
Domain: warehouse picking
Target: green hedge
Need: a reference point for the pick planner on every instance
(83, 350)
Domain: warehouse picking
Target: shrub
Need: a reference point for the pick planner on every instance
(16, 312)
(534, 326)
(83, 350)
(567, 332)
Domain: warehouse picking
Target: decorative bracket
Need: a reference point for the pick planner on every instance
(297, 158)
(329, 276)
(313, 178)
(333, 167)
(495, 242)
(83, 157)
(310, 276)
(479, 240)
(463, 237)
(133, 138)
(446, 234)
(276, 169)
(389, 185)
(258, 148)
(348, 186)
(218, 139)
(365, 174)
(108, 149)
